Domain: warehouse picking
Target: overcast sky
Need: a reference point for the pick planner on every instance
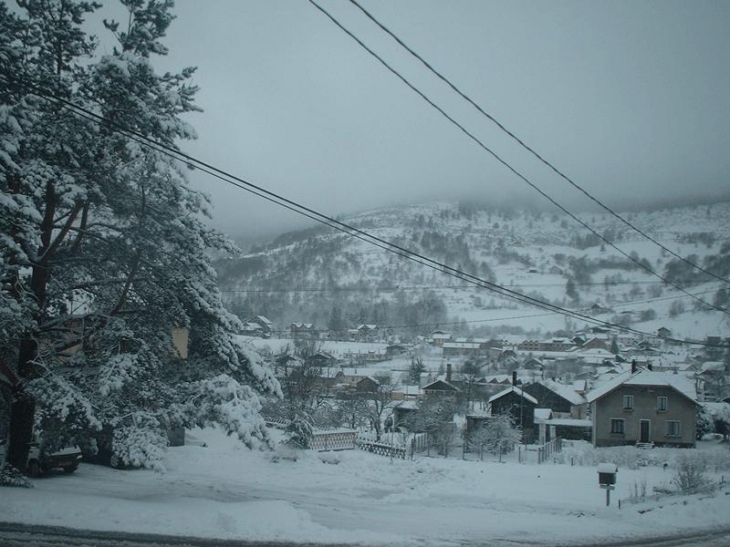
(629, 98)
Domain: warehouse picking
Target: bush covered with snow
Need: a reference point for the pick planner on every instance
(691, 474)
(716, 458)
(9, 476)
(140, 447)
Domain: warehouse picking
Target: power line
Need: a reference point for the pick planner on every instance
(238, 182)
(547, 163)
(504, 162)
(435, 288)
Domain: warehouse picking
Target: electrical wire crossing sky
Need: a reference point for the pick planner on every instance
(629, 99)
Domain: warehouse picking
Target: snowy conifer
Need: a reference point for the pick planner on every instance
(105, 260)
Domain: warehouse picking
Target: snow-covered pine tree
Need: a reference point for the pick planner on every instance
(104, 257)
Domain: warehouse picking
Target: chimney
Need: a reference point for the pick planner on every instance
(634, 366)
(448, 372)
(650, 367)
(514, 377)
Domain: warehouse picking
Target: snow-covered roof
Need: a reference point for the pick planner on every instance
(566, 392)
(714, 366)
(449, 385)
(543, 414)
(497, 379)
(569, 422)
(461, 345)
(517, 391)
(646, 378)
(410, 390)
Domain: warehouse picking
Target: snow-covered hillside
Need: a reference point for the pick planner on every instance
(328, 278)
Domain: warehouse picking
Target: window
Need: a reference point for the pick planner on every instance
(617, 427)
(628, 402)
(662, 403)
(674, 428)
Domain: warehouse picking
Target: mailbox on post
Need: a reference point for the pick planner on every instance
(607, 479)
(607, 473)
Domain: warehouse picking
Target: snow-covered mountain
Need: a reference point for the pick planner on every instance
(334, 280)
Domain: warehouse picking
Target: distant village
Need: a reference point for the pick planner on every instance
(607, 388)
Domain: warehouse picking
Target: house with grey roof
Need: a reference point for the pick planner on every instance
(644, 407)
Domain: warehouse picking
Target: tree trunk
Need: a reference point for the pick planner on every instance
(22, 413)
(22, 410)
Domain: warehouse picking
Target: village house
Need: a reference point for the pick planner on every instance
(553, 345)
(439, 338)
(366, 333)
(407, 393)
(561, 399)
(533, 364)
(441, 388)
(321, 359)
(520, 406)
(457, 349)
(644, 407)
(303, 332)
(259, 326)
(596, 343)
(403, 413)
(712, 381)
(394, 350)
(562, 411)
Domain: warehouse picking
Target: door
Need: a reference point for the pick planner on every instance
(645, 433)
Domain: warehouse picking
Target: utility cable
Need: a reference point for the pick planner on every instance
(505, 163)
(407, 288)
(547, 163)
(238, 182)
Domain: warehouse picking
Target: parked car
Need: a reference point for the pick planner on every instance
(105, 456)
(40, 462)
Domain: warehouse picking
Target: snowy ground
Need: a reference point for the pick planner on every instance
(226, 491)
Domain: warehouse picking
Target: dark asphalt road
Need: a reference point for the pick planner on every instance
(24, 535)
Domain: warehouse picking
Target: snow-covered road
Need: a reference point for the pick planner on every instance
(226, 491)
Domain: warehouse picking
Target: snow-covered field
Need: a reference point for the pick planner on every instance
(223, 490)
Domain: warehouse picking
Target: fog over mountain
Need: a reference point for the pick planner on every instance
(323, 276)
(629, 99)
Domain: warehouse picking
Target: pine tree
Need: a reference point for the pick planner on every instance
(105, 261)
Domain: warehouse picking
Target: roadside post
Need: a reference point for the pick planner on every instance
(607, 479)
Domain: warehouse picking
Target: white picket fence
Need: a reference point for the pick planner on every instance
(397, 445)
(341, 439)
